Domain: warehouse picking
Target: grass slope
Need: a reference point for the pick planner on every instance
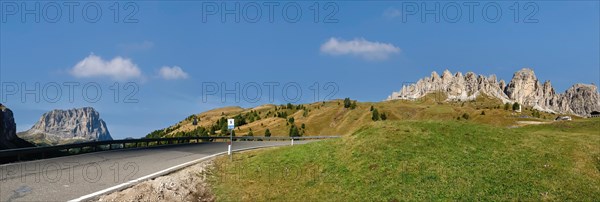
(331, 118)
(424, 160)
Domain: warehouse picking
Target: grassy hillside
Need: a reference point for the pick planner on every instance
(423, 161)
(333, 118)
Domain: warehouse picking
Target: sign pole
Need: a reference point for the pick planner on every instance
(231, 127)
(230, 144)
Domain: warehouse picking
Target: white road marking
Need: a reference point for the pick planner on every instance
(157, 174)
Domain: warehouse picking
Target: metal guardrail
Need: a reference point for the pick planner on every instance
(11, 155)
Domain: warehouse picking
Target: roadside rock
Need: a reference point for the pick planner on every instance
(8, 131)
(188, 184)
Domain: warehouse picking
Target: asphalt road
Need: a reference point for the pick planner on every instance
(71, 177)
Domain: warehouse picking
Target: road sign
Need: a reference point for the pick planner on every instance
(230, 124)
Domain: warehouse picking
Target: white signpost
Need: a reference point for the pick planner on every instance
(230, 126)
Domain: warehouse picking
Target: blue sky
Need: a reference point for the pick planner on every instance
(166, 52)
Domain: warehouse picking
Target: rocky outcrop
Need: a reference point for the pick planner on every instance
(83, 124)
(524, 88)
(8, 131)
(581, 99)
(456, 87)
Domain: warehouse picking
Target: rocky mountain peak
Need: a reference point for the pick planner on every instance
(435, 76)
(526, 72)
(581, 99)
(81, 124)
(524, 88)
(447, 74)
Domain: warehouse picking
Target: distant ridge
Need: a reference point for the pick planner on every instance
(524, 88)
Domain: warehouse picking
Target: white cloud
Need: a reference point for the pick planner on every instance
(359, 47)
(118, 68)
(172, 73)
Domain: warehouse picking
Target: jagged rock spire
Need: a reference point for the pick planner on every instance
(524, 88)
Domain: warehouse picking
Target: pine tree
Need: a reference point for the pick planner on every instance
(347, 102)
(516, 106)
(383, 116)
(212, 130)
(294, 132)
(267, 133)
(223, 129)
(375, 116)
(202, 132)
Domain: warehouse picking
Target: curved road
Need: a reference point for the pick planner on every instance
(71, 177)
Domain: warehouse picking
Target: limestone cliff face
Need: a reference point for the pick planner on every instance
(524, 88)
(457, 87)
(581, 99)
(80, 124)
(8, 131)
